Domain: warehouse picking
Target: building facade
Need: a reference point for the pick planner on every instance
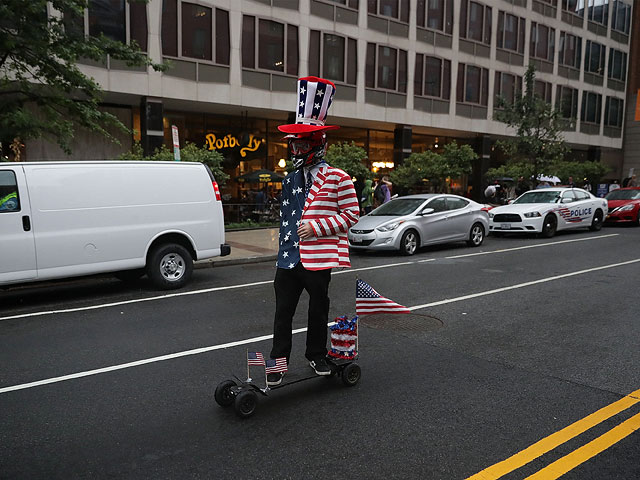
(411, 75)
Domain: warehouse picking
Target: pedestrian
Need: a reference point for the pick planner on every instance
(367, 197)
(570, 182)
(521, 186)
(587, 185)
(490, 193)
(632, 182)
(319, 204)
(386, 188)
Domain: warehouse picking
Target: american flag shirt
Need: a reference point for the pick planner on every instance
(331, 209)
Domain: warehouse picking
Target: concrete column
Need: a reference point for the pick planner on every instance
(151, 126)
(401, 143)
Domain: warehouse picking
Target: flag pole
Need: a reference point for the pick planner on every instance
(248, 373)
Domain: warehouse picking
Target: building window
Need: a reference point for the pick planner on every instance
(349, 3)
(398, 9)
(569, 50)
(617, 65)
(475, 21)
(196, 31)
(507, 86)
(594, 58)
(542, 42)
(432, 77)
(334, 57)
(574, 6)
(203, 37)
(567, 102)
(599, 11)
(511, 32)
(436, 15)
(621, 17)
(386, 67)
(277, 45)
(115, 19)
(542, 90)
(591, 107)
(472, 85)
(613, 111)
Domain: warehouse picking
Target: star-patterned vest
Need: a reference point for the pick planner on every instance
(291, 207)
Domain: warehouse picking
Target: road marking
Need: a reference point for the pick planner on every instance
(590, 450)
(534, 246)
(266, 337)
(522, 285)
(266, 282)
(558, 438)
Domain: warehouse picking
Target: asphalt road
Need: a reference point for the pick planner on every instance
(507, 346)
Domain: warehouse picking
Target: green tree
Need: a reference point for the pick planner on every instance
(592, 171)
(189, 153)
(538, 137)
(43, 93)
(348, 156)
(434, 168)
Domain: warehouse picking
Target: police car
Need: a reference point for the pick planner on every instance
(548, 210)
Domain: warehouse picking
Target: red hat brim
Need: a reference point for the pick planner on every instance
(303, 128)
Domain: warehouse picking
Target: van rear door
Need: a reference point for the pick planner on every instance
(17, 245)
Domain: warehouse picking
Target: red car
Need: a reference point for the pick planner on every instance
(624, 205)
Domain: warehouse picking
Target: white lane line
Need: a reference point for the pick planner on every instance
(534, 246)
(266, 282)
(522, 285)
(198, 351)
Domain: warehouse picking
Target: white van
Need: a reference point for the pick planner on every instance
(65, 219)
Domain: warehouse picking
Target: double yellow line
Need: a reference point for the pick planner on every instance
(577, 457)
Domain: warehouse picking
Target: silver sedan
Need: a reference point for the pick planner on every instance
(407, 223)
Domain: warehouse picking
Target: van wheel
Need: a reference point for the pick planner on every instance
(170, 266)
(129, 276)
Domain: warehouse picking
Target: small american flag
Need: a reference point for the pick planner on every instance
(255, 358)
(370, 301)
(276, 365)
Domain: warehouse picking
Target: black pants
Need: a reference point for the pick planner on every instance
(288, 285)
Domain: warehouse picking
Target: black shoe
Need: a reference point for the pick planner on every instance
(320, 366)
(275, 378)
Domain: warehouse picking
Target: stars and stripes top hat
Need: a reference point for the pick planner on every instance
(314, 99)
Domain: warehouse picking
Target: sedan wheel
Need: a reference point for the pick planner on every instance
(550, 225)
(596, 223)
(409, 242)
(476, 235)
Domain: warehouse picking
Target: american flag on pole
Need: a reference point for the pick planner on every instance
(276, 365)
(255, 358)
(370, 301)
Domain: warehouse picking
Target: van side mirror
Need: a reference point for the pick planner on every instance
(427, 211)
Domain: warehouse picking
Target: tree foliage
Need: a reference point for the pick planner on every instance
(43, 93)
(435, 168)
(348, 156)
(538, 137)
(189, 153)
(592, 171)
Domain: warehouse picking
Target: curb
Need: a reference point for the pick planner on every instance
(217, 262)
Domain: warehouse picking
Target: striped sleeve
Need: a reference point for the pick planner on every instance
(348, 208)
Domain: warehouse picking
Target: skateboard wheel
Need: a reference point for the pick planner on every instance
(351, 374)
(245, 403)
(224, 397)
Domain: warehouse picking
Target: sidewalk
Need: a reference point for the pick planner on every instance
(247, 246)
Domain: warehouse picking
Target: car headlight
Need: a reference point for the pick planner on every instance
(532, 214)
(388, 227)
(624, 208)
(491, 215)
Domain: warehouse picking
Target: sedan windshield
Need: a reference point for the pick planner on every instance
(539, 196)
(398, 207)
(623, 195)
